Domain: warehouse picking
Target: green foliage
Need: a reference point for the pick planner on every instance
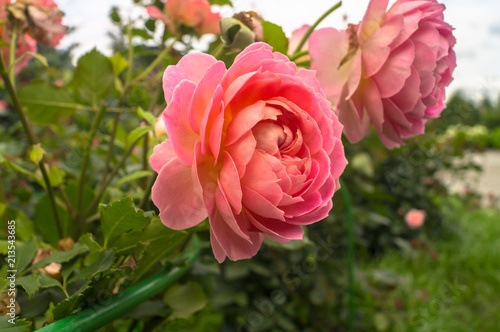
(46, 104)
(93, 78)
(36, 153)
(436, 286)
(120, 217)
(103, 263)
(185, 300)
(119, 63)
(30, 283)
(221, 2)
(24, 254)
(67, 306)
(61, 256)
(273, 35)
(20, 325)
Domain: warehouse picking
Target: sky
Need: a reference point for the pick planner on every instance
(476, 23)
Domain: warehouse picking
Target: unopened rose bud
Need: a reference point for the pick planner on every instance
(235, 34)
(253, 21)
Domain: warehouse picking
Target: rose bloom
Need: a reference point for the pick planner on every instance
(191, 13)
(255, 148)
(415, 218)
(390, 70)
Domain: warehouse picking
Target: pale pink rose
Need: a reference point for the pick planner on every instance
(255, 148)
(294, 41)
(415, 218)
(192, 13)
(390, 70)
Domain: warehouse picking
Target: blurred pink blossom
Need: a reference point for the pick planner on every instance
(415, 218)
(390, 70)
(192, 13)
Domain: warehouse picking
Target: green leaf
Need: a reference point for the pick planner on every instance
(47, 282)
(18, 169)
(37, 56)
(148, 309)
(25, 229)
(56, 176)
(31, 283)
(66, 307)
(120, 217)
(103, 263)
(46, 104)
(141, 33)
(61, 256)
(273, 35)
(20, 325)
(94, 77)
(161, 242)
(45, 222)
(138, 133)
(134, 176)
(94, 248)
(150, 25)
(36, 153)
(118, 62)
(381, 322)
(3, 207)
(44, 219)
(185, 300)
(114, 14)
(148, 116)
(221, 2)
(25, 254)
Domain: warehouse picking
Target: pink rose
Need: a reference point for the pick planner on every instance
(254, 148)
(415, 218)
(390, 70)
(191, 13)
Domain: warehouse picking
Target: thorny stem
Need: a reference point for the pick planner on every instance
(32, 139)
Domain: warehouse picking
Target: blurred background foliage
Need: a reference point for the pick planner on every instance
(443, 276)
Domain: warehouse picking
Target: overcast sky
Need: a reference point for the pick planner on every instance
(476, 23)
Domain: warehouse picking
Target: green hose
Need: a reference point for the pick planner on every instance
(99, 315)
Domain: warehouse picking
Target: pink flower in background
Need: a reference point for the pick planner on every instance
(415, 218)
(390, 70)
(191, 13)
(255, 148)
(294, 41)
